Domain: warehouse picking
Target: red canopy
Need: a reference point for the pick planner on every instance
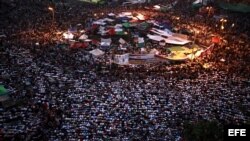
(216, 40)
(79, 45)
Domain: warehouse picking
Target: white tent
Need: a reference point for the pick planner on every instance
(111, 14)
(83, 37)
(68, 35)
(96, 52)
(99, 22)
(197, 1)
(108, 20)
(161, 32)
(155, 37)
(106, 42)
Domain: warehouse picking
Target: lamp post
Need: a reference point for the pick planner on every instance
(195, 36)
(209, 8)
(222, 23)
(53, 13)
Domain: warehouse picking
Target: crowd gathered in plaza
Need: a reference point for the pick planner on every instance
(68, 94)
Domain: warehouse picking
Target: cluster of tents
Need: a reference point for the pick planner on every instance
(124, 25)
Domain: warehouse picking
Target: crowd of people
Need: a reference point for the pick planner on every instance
(63, 94)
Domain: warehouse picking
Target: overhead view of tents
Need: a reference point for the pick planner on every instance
(122, 27)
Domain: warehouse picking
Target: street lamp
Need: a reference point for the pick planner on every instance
(53, 13)
(195, 36)
(222, 23)
(209, 8)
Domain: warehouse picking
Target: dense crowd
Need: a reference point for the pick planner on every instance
(64, 94)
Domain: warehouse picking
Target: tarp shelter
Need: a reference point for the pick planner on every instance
(126, 25)
(97, 52)
(166, 32)
(106, 42)
(68, 35)
(155, 37)
(100, 22)
(108, 20)
(3, 90)
(79, 45)
(111, 14)
(197, 4)
(83, 37)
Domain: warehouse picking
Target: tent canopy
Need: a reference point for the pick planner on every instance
(3, 90)
(96, 52)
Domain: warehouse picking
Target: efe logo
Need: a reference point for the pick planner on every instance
(237, 132)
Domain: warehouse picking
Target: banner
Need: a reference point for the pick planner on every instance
(121, 59)
(141, 56)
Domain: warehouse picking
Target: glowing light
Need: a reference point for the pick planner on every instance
(223, 20)
(207, 66)
(50, 8)
(157, 7)
(222, 27)
(233, 25)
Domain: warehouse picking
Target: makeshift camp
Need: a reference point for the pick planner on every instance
(155, 37)
(97, 52)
